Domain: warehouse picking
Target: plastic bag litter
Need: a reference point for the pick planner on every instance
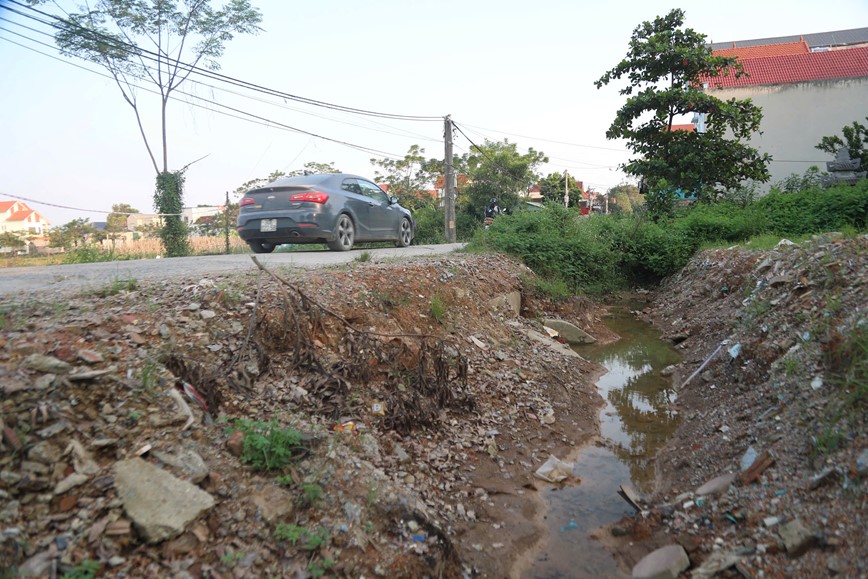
(553, 333)
(554, 470)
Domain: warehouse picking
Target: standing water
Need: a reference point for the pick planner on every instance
(636, 421)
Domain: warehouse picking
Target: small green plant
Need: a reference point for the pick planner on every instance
(311, 493)
(372, 495)
(134, 416)
(791, 367)
(289, 532)
(267, 445)
(318, 568)
(297, 534)
(364, 256)
(438, 308)
(284, 480)
(85, 570)
(148, 376)
(231, 558)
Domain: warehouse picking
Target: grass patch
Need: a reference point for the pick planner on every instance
(307, 539)
(438, 309)
(267, 446)
(363, 257)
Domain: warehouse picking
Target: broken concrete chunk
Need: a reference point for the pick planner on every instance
(716, 485)
(797, 538)
(159, 504)
(569, 332)
(664, 563)
(187, 461)
(273, 503)
(48, 364)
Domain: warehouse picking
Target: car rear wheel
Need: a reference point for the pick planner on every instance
(405, 233)
(345, 234)
(261, 246)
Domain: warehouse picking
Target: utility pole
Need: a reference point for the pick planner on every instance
(566, 189)
(226, 222)
(449, 194)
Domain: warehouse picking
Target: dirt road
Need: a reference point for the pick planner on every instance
(84, 276)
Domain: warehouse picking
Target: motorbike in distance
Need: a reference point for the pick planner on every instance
(491, 211)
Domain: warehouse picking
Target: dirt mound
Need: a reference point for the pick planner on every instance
(780, 406)
(379, 419)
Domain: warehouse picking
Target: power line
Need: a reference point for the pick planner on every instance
(547, 140)
(406, 133)
(257, 119)
(85, 210)
(150, 55)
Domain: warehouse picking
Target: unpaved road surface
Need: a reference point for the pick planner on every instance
(85, 276)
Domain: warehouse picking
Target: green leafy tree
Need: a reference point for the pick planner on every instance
(552, 188)
(12, 239)
(665, 66)
(497, 169)
(410, 177)
(855, 141)
(116, 222)
(625, 198)
(161, 42)
(75, 234)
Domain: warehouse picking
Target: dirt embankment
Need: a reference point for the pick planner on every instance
(780, 408)
(423, 402)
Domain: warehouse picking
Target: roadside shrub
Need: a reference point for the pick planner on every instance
(429, 226)
(814, 210)
(720, 222)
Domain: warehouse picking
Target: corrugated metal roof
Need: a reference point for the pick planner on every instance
(833, 64)
(834, 38)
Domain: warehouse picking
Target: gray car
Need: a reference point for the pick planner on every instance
(332, 208)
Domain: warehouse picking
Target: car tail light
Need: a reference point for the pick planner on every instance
(311, 196)
(246, 201)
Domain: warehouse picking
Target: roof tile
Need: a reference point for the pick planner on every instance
(745, 52)
(812, 66)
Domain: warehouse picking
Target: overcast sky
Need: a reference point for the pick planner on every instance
(502, 68)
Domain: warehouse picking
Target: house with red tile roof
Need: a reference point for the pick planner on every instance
(16, 216)
(808, 87)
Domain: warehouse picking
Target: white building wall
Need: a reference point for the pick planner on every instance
(797, 116)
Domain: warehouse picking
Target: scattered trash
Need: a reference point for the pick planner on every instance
(348, 426)
(704, 364)
(756, 469)
(551, 332)
(554, 470)
(378, 408)
(183, 407)
(569, 526)
(817, 382)
(628, 494)
(420, 538)
(748, 458)
(735, 351)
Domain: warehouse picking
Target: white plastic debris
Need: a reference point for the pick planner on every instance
(554, 470)
(551, 332)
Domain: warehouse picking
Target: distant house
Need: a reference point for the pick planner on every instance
(808, 87)
(16, 216)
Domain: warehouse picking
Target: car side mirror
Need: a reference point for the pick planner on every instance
(393, 200)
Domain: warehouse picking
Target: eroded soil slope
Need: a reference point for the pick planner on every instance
(422, 401)
(780, 409)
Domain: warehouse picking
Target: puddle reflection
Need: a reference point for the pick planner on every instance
(635, 423)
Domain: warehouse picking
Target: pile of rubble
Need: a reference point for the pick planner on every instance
(766, 476)
(122, 452)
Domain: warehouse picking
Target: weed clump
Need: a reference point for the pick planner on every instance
(267, 446)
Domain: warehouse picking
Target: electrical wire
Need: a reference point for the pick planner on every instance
(257, 119)
(547, 140)
(150, 55)
(85, 210)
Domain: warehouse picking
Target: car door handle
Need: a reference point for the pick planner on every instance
(370, 203)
